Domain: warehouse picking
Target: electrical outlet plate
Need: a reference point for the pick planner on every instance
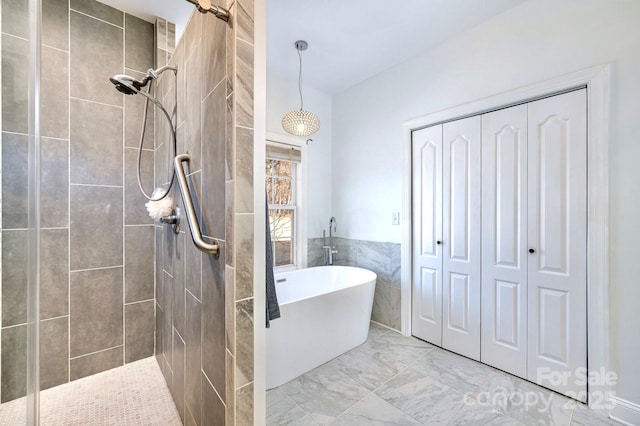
(395, 218)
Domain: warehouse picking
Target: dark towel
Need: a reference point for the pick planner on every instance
(273, 309)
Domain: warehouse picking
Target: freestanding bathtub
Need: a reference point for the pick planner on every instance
(325, 312)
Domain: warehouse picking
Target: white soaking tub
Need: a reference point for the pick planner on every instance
(325, 312)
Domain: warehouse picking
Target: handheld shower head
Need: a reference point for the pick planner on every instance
(127, 84)
(130, 86)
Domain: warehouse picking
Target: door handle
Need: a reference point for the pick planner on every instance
(532, 250)
(438, 242)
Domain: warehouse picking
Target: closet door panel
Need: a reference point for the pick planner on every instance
(427, 231)
(557, 266)
(458, 302)
(461, 236)
(504, 235)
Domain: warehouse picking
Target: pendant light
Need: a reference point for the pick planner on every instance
(300, 122)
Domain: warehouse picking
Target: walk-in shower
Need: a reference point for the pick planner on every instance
(87, 277)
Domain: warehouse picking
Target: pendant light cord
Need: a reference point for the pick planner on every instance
(300, 80)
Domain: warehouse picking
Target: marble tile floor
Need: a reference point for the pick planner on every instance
(397, 380)
(132, 395)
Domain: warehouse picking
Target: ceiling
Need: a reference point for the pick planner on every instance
(349, 41)
(176, 11)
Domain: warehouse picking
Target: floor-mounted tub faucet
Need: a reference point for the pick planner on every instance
(329, 250)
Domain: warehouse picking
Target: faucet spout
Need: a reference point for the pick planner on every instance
(330, 249)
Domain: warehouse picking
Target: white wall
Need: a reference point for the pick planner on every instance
(535, 41)
(282, 97)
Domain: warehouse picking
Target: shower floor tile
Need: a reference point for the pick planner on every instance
(132, 395)
(406, 382)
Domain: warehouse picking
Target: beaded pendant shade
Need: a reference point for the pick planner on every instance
(300, 122)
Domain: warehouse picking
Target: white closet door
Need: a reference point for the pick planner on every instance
(504, 238)
(461, 237)
(557, 241)
(427, 231)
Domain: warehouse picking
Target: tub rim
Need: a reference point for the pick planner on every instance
(373, 278)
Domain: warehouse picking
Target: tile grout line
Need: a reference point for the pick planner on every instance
(136, 148)
(75, 98)
(14, 36)
(214, 388)
(295, 403)
(459, 410)
(53, 318)
(14, 325)
(213, 90)
(96, 18)
(373, 392)
(94, 185)
(54, 48)
(96, 269)
(95, 352)
(16, 133)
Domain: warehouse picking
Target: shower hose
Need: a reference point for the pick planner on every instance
(173, 138)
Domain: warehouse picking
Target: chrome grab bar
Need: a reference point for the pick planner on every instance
(192, 218)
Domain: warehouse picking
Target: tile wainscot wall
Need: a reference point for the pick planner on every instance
(381, 258)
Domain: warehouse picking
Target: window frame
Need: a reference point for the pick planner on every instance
(294, 215)
(299, 192)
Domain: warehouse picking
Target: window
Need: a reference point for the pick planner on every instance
(282, 181)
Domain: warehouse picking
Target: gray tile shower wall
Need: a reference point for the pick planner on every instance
(97, 242)
(381, 258)
(204, 309)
